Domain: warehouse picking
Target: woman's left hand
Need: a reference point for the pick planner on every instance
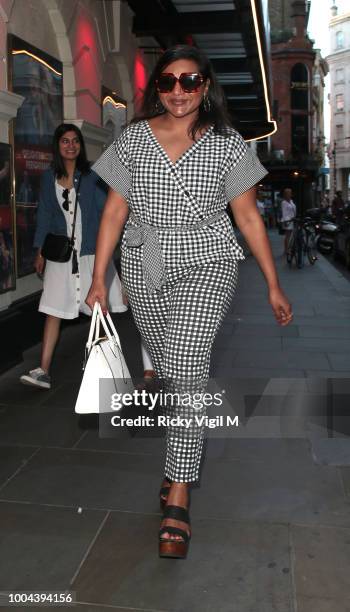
(281, 307)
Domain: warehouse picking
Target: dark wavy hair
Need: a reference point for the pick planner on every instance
(58, 166)
(217, 116)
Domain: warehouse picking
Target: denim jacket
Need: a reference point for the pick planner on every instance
(51, 219)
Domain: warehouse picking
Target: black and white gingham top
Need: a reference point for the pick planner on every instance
(213, 171)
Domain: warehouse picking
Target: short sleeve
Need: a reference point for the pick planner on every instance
(114, 167)
(245, 171)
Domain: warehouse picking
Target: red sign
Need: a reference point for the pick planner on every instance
(32, 159)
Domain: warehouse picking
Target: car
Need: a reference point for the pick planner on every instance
(342, 239)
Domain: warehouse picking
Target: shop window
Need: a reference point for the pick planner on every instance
(300, 135)
(339, 103)
(300, 102)
(37, 77)
(7, 246)
(299, 87)
(339, 40)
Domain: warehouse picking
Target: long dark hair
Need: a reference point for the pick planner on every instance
(217, 115)
(58, 166)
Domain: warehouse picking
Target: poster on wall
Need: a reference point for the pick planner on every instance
(7, 255)
(37, 77)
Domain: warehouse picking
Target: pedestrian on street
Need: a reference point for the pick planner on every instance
(64, 292)
(171, 174)
(289, 212)
(324, 204)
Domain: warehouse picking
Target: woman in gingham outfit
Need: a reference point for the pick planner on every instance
(171, 174)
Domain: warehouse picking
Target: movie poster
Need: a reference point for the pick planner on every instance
(38, 78)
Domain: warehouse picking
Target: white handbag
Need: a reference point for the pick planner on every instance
(105, 369)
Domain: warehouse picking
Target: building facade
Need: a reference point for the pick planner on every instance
(282, 24)
(294, 155)
(339, 65)
(77, 62)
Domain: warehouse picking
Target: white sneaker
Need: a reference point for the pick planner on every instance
(37, 378)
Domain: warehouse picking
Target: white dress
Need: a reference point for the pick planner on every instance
(64, 293)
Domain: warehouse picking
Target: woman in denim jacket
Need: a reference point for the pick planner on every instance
(64, 292)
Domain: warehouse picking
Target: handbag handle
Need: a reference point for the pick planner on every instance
(93, 326)
(112, 337)
(97, 319)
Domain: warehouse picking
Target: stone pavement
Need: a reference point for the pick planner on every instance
(271, 517)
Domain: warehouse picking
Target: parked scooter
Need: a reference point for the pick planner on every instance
(342, 241)
(326, 230)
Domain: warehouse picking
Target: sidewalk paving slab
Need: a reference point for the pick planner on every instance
(321, 568)
(44, 545)
(87, 478)
(12, 459)
(230, 567)
(38, 425)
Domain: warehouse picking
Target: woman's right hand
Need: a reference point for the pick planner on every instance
(39, 263)
(97, 293)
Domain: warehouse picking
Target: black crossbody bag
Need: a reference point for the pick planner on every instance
(60, 248)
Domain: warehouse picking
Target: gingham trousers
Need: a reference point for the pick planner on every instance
(178, 325)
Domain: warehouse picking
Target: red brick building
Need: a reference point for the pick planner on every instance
(294, 153)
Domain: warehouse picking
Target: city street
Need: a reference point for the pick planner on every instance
(271, 517)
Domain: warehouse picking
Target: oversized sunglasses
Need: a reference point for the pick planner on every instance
(190, 82)
(66, 201)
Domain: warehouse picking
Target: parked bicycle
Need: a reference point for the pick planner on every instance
(302, 242)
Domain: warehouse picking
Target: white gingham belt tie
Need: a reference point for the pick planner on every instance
(153, 264)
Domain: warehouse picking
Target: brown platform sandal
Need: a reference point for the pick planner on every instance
(163, 493)
(175, 549)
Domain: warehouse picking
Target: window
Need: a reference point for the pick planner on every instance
(339, 75)
(300, 135)
(339, 40)
(339, 103)
(262, 147)
(299, 84)
(339, 132)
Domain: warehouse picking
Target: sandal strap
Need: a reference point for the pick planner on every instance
(177, 513)
(174, 531)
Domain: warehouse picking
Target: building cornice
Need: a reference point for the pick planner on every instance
(337, 54)
(293, 51)
(9, 105)
(339, 19)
